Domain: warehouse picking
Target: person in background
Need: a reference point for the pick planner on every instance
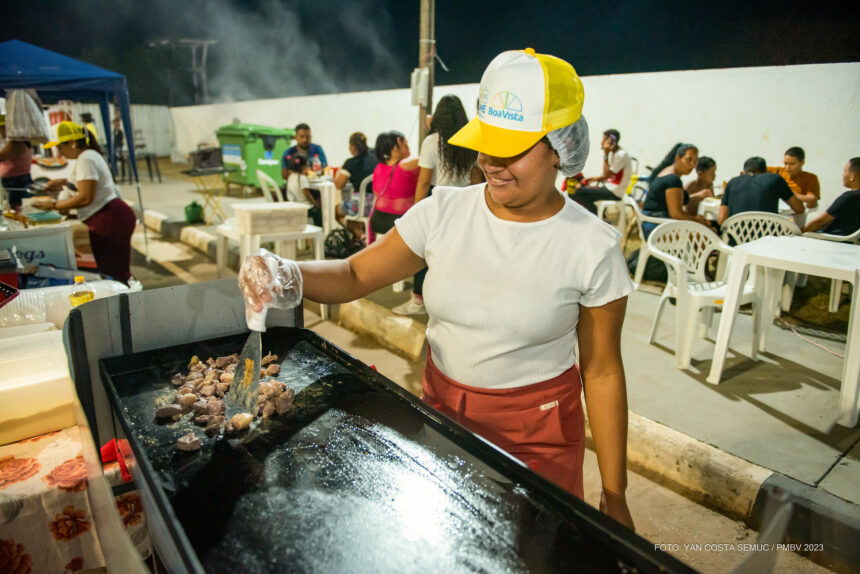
(440, 164)
(706, 173)
(111, 222)
(89, 123)
(297, 188)
(15, 160)
(354, 171)
(666, 194)
(756, 190)
(394, 180)
(843, 215)
(313, 154)
(617, 169)
(802, 183)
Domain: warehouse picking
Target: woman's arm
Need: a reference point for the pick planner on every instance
(86, 194)
(425, 176)
(12, 150)
(675, 203)
(384, 262)
(341, 179)
(602, 371)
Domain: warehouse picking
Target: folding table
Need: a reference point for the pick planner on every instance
(328, 201)
(207, 181)
(773, 256)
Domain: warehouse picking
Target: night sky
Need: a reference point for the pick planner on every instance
(277, 48)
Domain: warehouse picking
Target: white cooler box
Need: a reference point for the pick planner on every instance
(37, 395)
(271, 217)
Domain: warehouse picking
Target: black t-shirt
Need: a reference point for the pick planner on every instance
(845, 212)
(359, 167)
(655, 201)
(760, 192)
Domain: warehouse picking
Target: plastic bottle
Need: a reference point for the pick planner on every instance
(316, 164)
(81, 293)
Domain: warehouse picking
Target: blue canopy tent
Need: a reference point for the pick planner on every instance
(56, 77)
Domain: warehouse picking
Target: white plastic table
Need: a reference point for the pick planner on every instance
(328, 200)
(773, 256)
(285, 245)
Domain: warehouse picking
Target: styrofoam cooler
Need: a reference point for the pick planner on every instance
(270, 217)
(51, 304)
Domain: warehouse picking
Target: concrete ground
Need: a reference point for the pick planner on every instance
(777, 412)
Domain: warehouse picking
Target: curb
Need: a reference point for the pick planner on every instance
(825, 527)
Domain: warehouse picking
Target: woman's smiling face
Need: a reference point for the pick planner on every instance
(517, 181)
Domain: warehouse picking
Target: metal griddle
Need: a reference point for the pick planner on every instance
(363, 477)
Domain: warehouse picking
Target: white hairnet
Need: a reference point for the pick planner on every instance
(571, 145)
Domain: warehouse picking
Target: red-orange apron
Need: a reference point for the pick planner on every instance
(541, 424)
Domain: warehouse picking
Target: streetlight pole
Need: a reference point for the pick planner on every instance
(427, 59)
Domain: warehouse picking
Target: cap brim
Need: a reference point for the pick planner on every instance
(49, 145)
(494, 141)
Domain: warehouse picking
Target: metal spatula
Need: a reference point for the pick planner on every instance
(246, 380)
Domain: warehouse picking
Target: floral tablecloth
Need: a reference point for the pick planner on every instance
(46, 521)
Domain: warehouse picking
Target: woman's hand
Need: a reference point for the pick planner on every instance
(255, 282)
(45, 204)
(615, 506)
(703, 220)
(55, 185)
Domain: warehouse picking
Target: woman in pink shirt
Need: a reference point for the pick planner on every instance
(394, 182)
(15, 160)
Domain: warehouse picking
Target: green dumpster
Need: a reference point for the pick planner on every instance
(250, 147)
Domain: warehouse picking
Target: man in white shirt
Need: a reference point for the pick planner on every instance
(612, 183)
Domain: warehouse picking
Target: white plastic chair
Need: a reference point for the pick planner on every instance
(835, 285)
(269, 187)
(684, 247)
(601, 205)
(362, 195)
(644, 249)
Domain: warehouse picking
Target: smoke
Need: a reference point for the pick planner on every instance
(273, 49)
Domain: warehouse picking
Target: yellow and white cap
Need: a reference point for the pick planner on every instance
(66, 132)
(523, 96)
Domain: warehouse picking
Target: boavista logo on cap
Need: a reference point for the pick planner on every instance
(503, 105)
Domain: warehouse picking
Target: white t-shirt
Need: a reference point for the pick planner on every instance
(619, 163)
(429, 158)
(92, 166)
(295, 184)
(504, 296)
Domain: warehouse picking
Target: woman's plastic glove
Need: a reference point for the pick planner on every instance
(267, 280)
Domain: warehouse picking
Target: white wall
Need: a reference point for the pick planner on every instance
(729, 114)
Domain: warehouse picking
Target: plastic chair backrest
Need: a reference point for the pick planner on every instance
(751, 225)
(269, 187)
(362, 194)
(689, 241)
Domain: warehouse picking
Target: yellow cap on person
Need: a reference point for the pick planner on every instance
(65, 132)
(523, 96)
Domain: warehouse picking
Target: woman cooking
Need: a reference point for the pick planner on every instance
(110, 221)
(517, 277)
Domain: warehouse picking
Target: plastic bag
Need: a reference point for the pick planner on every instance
(264, 272)
(51, 304)
(24, 119)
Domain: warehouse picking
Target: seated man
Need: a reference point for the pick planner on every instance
(706, 173)
(843, 215)
(615, 177)
(802, 183)
(314, 155)
(756, 190)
